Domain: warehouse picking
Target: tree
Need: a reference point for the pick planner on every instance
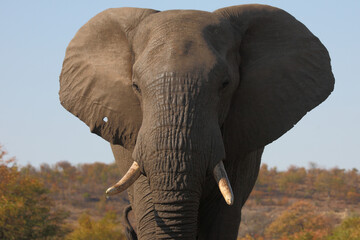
(299, 221)
(266, 180)
(291, 181)
(25, 208)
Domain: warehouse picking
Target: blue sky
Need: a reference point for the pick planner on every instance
(36, 129)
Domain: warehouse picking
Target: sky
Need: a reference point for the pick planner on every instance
(36, 129)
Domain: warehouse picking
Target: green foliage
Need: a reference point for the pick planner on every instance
(349, 229)
(105, 229)
(25, 208)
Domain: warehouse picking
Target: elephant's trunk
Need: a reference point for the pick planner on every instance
(176, 168)
(176, 180)
(176, 197)
(176, 216)
(178, 144)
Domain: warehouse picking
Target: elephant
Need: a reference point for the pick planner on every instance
(188, 100)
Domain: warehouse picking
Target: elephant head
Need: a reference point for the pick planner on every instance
(185, 90)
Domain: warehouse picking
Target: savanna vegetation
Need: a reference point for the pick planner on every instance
(64, 201)
(26, 209)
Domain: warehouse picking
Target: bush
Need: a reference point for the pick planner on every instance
(349, 229)
(108, 228)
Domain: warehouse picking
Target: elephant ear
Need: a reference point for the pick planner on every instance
(284, 73)
(96, 77)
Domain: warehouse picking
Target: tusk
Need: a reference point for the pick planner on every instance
(223, 183)
(126, 181)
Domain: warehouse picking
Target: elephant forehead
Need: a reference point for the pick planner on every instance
(178, 27)
(175, 20)
(178, 39)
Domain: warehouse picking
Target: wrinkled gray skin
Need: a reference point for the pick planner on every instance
(183, 90)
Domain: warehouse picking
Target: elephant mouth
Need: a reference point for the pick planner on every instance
(134, 173)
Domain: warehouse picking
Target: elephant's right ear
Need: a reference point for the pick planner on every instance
(96, 77)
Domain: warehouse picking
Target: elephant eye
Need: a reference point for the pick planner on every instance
(225, 84)
(136, 87)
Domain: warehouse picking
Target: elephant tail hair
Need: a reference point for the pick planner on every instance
(129, 230)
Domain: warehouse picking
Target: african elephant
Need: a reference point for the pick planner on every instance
(188, 100)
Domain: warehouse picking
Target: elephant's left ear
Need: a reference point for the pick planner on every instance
(284, 73)
(96, 78)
